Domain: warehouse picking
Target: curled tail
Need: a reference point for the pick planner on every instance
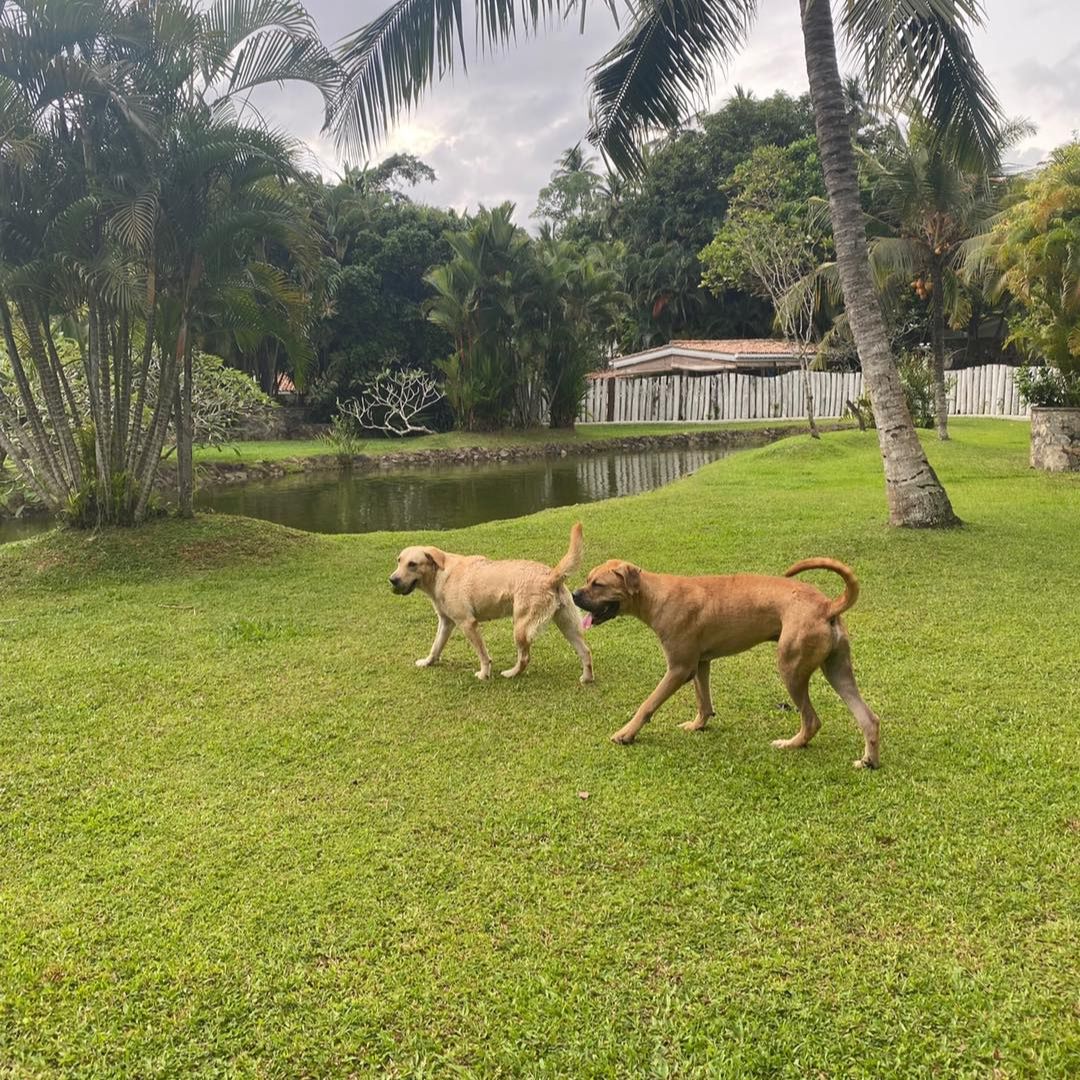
(851, 585)
(571, 560)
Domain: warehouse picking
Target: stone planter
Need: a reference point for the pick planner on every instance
(1055, 439)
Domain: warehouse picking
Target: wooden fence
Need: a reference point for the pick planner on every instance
(979, 391)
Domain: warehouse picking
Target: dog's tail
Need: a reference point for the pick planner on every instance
(851, 585)
(572, 559)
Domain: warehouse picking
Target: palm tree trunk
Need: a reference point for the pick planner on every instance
(38, 445)
(915, 495)
(33, 319)
(937, 360)
(808, 389)
(185, 433)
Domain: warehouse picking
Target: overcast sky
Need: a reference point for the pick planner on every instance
(495, 133)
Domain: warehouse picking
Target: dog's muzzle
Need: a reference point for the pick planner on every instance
(597, 613)
(402, 590)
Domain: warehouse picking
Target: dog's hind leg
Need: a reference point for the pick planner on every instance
(838, 671)
(437, 646)
(798, 659)
(566, 620)
(471, 629)
(704, 699)
(524, 633)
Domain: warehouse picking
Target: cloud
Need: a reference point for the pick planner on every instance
(494, 133)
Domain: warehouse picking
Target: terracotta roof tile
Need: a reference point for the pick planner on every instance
(760, 346)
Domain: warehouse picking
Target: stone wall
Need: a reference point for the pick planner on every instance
(1055, 439)
(277, 423)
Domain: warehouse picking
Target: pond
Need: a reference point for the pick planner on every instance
(438, 497)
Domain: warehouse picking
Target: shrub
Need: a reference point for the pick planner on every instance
(1048, 387)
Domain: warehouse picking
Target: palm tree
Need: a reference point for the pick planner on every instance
(913, 49)
(931, 204)
(573, 192)
(477, 301)
(133, 193)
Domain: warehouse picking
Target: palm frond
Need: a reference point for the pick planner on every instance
(660, 69)
(389, 63)
(277, 57)
(133, 219)
(227, 24)
(814, 290)
(918, 53)
(894, 255)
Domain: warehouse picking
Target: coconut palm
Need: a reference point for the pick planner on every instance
(574, 192)
(911, 49)
(931, 204)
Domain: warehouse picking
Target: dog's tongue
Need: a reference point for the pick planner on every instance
(586, 622)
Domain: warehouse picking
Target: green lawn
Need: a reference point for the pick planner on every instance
(259, 450)
(242, 835)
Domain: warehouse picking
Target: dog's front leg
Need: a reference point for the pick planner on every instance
(704, 699)
(471, 629)
(671, 682)
(437, 646)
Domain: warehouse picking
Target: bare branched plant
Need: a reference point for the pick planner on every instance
(393, 401)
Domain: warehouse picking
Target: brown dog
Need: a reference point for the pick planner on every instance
(698, 619)
(466, 590)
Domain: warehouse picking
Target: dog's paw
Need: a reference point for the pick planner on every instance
(622, 738)
(509, 673)
(425, 662)
(788, 744)
(693, 725)
(483, 673)
(586, 679)
(864, 763)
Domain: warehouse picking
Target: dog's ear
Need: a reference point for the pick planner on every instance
(629, 575)
(436, 556)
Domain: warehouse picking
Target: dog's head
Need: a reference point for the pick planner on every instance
(416, 566)
(608, 588)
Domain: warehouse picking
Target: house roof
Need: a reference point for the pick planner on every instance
(704, 356)
(738, 346)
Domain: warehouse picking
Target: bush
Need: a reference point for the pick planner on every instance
(918, 386)
(344, 437)
(1048, 387)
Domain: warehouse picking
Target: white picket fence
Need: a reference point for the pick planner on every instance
(980, 391)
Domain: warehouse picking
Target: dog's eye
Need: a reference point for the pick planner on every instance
(411, 566)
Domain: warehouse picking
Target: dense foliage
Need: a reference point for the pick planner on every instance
(673, 210)
(137, 199)
(377, 247)
(1038, 249)
(528, 318)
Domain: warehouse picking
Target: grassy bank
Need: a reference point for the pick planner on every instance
(257, 450)
(240, 834)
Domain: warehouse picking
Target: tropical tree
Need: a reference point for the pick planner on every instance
(568, 319)
(378, 245)
(913, 50)
(930, 204)
(672, 207)
(133, 192)
(1037, 245)
(774, 237)
(574, 192)
(528, 319)
(477, 301)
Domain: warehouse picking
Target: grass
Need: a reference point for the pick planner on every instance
(240, 834)
(271, 450)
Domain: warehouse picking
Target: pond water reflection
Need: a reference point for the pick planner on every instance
(437, 497)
